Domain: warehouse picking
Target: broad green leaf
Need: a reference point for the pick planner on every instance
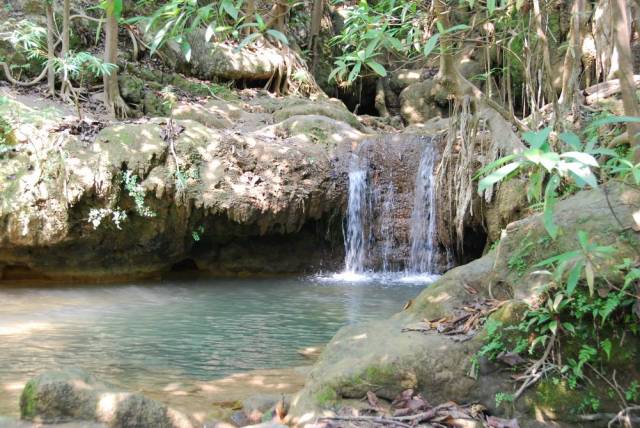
(497, 175)
(378, 68)
(553, 326)
(371, 47)
(569, 327)
(538, 138)
(582, 174)
(431, 44)
(581, 157)
(571, 139)
(549, 160)
(229, 8)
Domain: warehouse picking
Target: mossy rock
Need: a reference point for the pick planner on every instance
(331, 109)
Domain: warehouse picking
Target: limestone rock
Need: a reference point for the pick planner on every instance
(74, 395)
(378, 356)
(261, 195)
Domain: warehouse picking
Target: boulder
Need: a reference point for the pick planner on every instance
(258, 197)
(378, 356)
(74, 395)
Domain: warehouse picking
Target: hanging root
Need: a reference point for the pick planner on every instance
(478, 135)
(292, 76)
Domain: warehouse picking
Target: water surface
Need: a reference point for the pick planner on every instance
(140, 337)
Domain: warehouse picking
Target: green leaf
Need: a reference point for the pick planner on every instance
(491, 6)
(581, 157)
(570, 139)
(589, 274)
(378, 68)
(569, 327)
(497, 176)
(574, 277)
(248, 40)
(614, 119)
(229, 8)
(185, 47)
(538, 138)
(431, 44)
(278, 36)
(549, 202)
(582, 174)
(606, 347)
(553, 326)
(355, 71)
(455, 28)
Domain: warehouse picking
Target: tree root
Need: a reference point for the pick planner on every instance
(14, 81)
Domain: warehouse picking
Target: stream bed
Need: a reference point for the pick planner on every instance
(144, 337)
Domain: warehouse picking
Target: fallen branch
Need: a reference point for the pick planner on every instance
(623, 416)
(606, 89)
(369, 419)
(532, 375)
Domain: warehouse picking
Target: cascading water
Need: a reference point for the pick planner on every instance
(356, 209)
(391, 223)
(423, 217)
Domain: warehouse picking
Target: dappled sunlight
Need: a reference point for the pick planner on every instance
(24, 328)
(14, 386)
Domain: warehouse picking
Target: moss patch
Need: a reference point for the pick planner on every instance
(326, 396)
(28, 402)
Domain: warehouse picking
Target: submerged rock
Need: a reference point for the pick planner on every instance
(74, 395)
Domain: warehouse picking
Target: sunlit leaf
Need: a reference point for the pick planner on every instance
(497, 176)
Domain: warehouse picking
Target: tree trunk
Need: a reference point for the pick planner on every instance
(51, 76)
(65, 88)
(249, 16)
(573, 59)
(279, 11)
(314, 32)
(625, 72)
(113, 101)
(546, 59)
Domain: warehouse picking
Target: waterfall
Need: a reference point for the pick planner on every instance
(355, 241)
(390, 222)
(386, 227)
(423, 217)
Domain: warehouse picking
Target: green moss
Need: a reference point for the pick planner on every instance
(326, 396)
(28, 401)
(555, 397)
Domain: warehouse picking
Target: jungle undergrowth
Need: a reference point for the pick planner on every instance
(584, 325)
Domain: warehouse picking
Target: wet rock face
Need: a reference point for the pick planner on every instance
(392, 163)
(251, 196)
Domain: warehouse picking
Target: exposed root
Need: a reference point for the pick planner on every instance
(14, 81)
